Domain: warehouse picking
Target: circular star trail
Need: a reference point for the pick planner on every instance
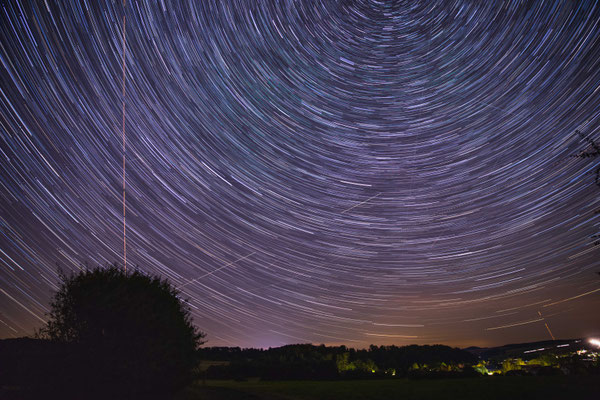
(347, 172)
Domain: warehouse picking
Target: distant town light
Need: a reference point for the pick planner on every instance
(595, 342)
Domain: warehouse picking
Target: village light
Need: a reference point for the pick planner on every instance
(595, 342)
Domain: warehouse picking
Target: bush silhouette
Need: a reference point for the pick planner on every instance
(126, 332)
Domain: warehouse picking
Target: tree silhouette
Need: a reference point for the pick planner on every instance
(593, 153)
(126, 332)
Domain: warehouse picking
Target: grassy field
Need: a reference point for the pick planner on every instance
(487, 388)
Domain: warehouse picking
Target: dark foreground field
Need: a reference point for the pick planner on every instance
(528, 387)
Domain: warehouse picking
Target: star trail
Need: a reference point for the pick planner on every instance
(338, 172)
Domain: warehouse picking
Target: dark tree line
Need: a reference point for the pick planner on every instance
(305, 361)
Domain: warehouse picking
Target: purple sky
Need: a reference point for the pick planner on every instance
(339, 172)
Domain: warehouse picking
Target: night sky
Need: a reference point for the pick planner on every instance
(338, 172)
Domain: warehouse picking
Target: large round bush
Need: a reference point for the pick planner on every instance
(127, 332)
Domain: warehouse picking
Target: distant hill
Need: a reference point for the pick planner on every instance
(526, 350)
